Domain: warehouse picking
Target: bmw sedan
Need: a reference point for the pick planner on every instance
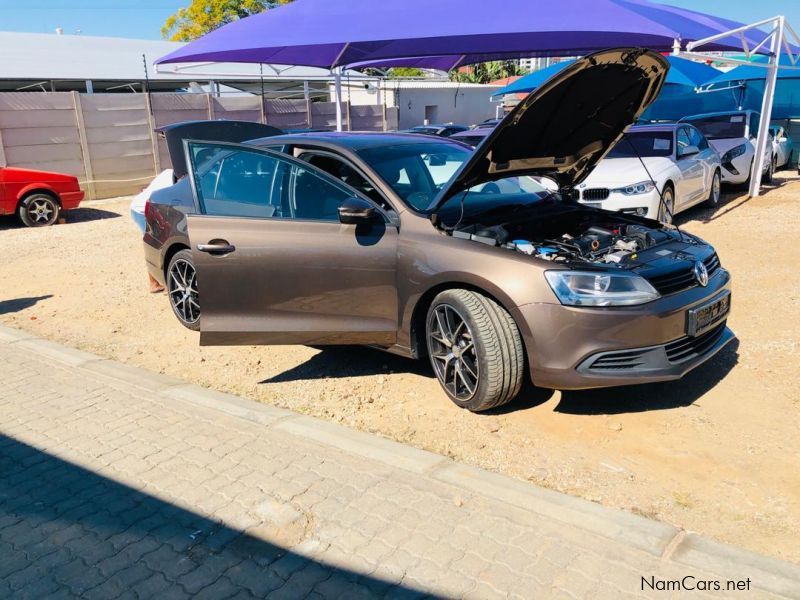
(428, 249)
(655, 171)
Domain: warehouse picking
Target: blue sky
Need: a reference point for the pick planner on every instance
(143, 18)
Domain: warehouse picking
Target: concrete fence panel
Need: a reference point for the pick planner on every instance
(40, 131)
(108, 140)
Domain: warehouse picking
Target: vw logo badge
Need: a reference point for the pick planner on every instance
(701, 273)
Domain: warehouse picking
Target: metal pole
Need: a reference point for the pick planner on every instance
(766, 106)
(337, 80)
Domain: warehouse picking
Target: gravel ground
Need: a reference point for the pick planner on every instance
(717, 452)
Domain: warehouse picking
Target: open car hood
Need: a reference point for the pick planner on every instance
(568, 124)
(209, 131)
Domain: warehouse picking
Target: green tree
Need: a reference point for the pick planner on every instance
(202, 16)
(486, 72)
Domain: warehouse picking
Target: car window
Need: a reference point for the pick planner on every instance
(238, 182)
(720, 127)
(754, 118)
(697, 139)
(682, 140)
(310, 196)
(416, 171)
(643, 143)
(347, 173)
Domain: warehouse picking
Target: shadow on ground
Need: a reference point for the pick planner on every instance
(350, 361)
(78, 215)
(652, 396)
(68, 532)
(18, 304)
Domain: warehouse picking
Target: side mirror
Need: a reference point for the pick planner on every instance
(355, 211)
(688, 151)
(438, 160)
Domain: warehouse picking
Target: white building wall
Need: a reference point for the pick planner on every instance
(466, 105)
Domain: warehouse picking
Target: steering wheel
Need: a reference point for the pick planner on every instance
(491, 188)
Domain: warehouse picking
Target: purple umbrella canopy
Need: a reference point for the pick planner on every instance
(445, 34)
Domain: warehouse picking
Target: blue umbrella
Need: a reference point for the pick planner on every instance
(681, 72)
(748, 72)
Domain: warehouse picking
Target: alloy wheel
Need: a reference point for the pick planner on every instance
(667, 207)
(41, 211)
(716, 188)
(452, 347)
(182, 284)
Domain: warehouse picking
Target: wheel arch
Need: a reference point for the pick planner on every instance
(419, 312)
(171, 251)
(38, 188)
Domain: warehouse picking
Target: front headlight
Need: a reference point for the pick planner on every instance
(642, 187)
(585, 288)
(734, 153)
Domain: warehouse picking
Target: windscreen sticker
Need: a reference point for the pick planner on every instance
(737, 118)
(661, 144)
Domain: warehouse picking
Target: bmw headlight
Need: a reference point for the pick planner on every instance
(586, 288)
(642, 187)
(734, 152)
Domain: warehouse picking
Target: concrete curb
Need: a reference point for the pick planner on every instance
(660, 539)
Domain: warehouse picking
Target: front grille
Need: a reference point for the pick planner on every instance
(683, 278)
(688, 348)
(620, 361)
(595, 194)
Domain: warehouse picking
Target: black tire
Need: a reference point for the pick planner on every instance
(489, 341)
(767, 177)
(182, 289)
(39, 210)
(666, 210)
(715, 193)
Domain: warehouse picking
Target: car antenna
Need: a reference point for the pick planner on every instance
(653, 181)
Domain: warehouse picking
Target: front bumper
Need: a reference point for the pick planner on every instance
(628, 204)
(564, 343)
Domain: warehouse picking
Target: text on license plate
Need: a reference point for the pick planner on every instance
(705, 317)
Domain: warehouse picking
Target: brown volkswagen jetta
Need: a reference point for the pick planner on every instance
(424, 248)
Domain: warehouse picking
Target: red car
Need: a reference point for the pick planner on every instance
(37, 197)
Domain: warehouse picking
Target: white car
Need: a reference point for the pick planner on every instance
(782, 145)
(733, 135)
(655, 171)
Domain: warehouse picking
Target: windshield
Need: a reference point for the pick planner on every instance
(643, 143)
(721, 126)
(417, 171)
(500, 198)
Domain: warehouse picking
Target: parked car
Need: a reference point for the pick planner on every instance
(337, 238)
(37, 197)
(655, 171)
(733, 135)
(444, 130)
(472, 137)
(782, 145)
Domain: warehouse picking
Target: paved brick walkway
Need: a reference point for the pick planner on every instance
(114, 490)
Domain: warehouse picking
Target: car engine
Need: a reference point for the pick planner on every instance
(609, 244)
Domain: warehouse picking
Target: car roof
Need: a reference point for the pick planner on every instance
(350, 140)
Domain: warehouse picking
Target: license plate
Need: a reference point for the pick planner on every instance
(706, 317)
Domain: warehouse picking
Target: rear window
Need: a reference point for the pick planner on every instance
(721, 126)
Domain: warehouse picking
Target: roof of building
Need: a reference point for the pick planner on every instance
(50, 56)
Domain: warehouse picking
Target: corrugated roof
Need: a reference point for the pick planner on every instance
(46, 56)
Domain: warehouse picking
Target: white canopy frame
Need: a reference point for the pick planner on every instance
(777, 39)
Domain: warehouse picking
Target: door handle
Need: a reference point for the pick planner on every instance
(216, 247)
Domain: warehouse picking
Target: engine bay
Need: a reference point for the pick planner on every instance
(574, 237)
